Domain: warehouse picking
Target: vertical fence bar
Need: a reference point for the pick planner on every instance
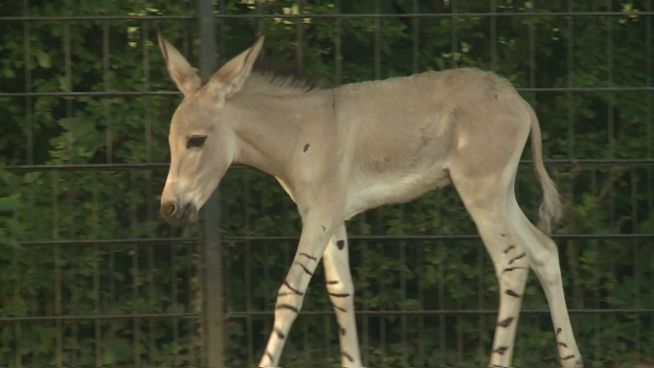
(136, 277)
(569, 84)
(106, 81)
(597, 292)
(174, 296)
(379, 249)
(635, 244)
(403, 287)
(260, 6)
(338, 56)
(441, 306)
(609, 67)
(377, 51)
(212, 280)
(531, 26)
(650, 145)
(249, 327)
(222, 45)
(420, 288)
(29, 159)
(106, 84)
(611, 293)
(27, 51)
(97, 331)
(453, 35)
(415, 37)
(97, 327)
(149, 214)
(493, 35)
(68, 64)
(299, 39)
(365, 320)
(247, 278)
(57, 268)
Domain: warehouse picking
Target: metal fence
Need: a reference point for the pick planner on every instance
(201, 314)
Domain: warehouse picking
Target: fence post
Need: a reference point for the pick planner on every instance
(213, 316)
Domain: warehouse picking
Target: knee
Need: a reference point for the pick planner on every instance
(340, 287)
(547, 267)
(339, 290)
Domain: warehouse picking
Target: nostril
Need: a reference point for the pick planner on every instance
(169, 209)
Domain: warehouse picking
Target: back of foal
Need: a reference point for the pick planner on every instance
(338, 152)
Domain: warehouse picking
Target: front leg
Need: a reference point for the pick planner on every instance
(341, 294)
(316, 233)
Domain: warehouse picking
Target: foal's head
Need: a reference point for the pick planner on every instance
(201, 144)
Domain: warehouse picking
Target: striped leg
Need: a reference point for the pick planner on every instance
(511, 267)
(341, 294)
(291, 294)
(514, 244)
(545, 263)
(489, 200)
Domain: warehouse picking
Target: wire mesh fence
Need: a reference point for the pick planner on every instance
(94, 278)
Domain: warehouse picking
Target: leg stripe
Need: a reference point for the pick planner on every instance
(287, 306)
(568, 357)
(509, 269)
(279, 333)
(512, 293)
(563, 344)
(306, 270)
(508, 249)
(517, 258)
(339, 295)
(308, 256)
(558, 330)
(332, 282)
(341, 330)
(270, 357)
(506, 322)
(501, 350)
(340, 308)
(296, 291)
(348, 356)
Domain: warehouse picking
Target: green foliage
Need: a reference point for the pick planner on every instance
(87, 277)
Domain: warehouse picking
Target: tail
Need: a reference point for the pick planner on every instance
(550, 209)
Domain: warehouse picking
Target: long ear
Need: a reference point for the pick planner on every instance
(230, 78)
(181, 72)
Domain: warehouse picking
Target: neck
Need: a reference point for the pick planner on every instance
(267, 130)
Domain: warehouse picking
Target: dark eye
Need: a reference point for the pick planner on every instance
(196, 141)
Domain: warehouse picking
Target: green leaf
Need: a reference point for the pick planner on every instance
(43, 59)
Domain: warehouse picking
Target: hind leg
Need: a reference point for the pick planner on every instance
(544, 260)
(511, 268)
(487, 203)
(514, 244)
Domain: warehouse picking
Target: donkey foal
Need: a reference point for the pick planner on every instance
(338, 152)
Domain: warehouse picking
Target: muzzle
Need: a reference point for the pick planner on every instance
(179, 214)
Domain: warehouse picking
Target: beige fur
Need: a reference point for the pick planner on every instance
(341, 151)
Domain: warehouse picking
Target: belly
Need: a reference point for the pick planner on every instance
(367, 193)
